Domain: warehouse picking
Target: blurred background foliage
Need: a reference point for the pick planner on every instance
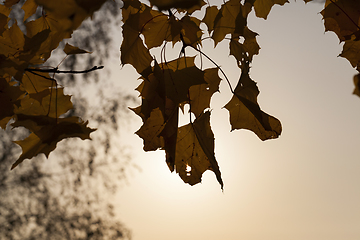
(69, 197)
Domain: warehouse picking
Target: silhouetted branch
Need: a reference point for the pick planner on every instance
(56, 70)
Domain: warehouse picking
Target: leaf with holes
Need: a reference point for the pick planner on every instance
(195, 149)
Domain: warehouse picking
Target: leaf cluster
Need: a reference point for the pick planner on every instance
(34, 100)
(169, 85)
(31, 96)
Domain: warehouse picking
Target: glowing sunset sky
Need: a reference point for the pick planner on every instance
(303, 186)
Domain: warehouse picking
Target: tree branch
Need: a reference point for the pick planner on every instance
(56, 70)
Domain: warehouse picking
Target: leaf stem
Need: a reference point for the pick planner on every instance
(231, 89)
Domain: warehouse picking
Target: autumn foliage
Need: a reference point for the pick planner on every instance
(32, 98)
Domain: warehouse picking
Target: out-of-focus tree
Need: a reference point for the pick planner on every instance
(68, 197)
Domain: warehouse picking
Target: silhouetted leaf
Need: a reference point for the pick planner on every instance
(29, 8)
(69, 49)
(229, 20)
(151, 130)
(181, 4)
(351, 51)
(195, 149)
(209, 18)
(263, 7)
(245, 112)
(46, 133)
(342, 17)
(200, 95)
(357, 85)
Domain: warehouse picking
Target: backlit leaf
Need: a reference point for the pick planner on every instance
(246, 50)
(195, 150)
(53, 103)
(351, 51)
(10, 3)
(151, 130)
(209, 18)
(29, 8)
(190, 30)
(200, 95)
(342, 17)
(181, 4)
(263, 7)
(38, 82)
(9, 95)
(161, 28)
(245, 113)
(357, 85)
(229, 20)
(132, 48)
(69, 50)
(179, 76)
(4, 19)
(70, 13)
(46, 133)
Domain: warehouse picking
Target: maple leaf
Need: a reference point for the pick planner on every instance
(69, 50)
(244, 52)
(200, 95)
(173, 80)
(351, 51)
(34, 83)
(245, 112)
(190, 30)
(4, 19)
(263, 7)
(178, 80)
(181, 4)
(165, 88)
(161, 28)
(209, 18)
(10, 3)
(229, 20)
(195, 7)
(33, 50)
(70, 13)
(131, 7)
(170, 131)
(159, 114)
(12, 41)
(46, 133)
(151, 130)
(56, 35)
(195, 149)
(49, 102)
(357, 85)
(29, 8)
(152, 92)
(132, 48)
(167, 28)
(9, 95)
(342, 17)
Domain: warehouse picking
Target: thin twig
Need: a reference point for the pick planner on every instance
(37, 74)
(56, 70)
(231, 89)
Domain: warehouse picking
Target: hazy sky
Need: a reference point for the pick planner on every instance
(303, 186)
